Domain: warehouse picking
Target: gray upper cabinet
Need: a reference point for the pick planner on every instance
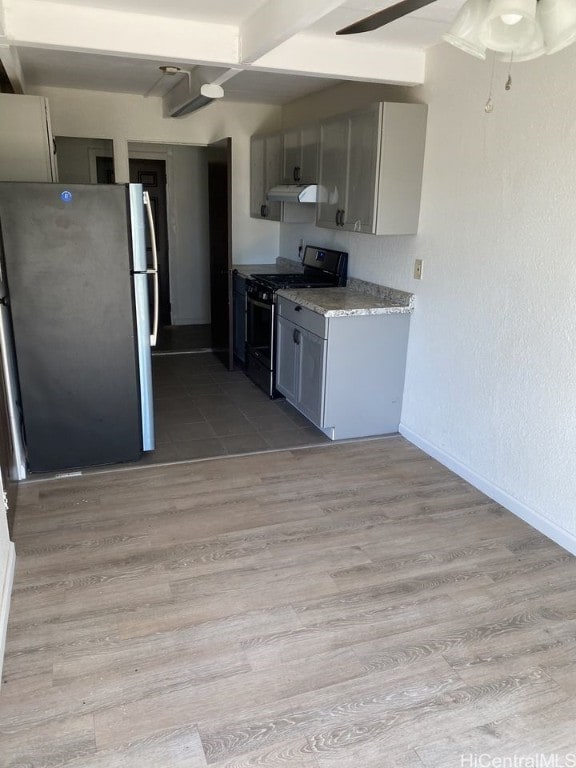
(360, 211)
(370, 169)
(26, 143)
(301, 155)
(332, 171)
(265, 172)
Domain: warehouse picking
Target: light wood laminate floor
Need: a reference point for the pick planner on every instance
(348, 606)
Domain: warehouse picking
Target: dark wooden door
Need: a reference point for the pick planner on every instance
(105, 170)
(152, 175)
(220, 229)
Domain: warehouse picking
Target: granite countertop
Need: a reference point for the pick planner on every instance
(280, 267)
(342, 302)
(245, 270)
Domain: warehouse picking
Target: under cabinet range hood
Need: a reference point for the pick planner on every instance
(293, 193)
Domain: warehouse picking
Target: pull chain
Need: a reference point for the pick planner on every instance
(508, 85)
(489, 106)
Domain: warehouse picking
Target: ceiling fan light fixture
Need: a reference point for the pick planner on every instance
(519, 30)
(533, 50)
(511, 18)
(498, 34)
(558, 21)
(464, 31)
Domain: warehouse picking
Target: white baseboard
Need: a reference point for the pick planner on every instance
(561, 536)
(5, 594)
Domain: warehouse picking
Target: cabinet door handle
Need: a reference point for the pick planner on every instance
(296, 336)
(296, 173)
(338, 217)
(264, 211)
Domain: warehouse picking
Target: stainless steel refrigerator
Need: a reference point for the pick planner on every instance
(75, 324)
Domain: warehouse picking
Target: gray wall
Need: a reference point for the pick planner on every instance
(188, 233)
(75, 157)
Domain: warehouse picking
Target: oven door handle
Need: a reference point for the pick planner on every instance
(259, 303)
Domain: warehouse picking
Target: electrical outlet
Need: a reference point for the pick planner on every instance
(418, 269)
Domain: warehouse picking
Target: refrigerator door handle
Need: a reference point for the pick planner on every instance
(154, 270)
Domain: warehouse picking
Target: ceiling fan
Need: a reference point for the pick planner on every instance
(380, 18)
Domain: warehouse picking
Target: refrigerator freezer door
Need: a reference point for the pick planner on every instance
(68, 259)
(142, 314)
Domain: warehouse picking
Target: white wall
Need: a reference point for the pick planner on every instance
(491, 376)
(189, 236)
(124, 118)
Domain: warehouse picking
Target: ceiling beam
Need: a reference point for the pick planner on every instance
(272, 39)
(341, 58)
(277, 21)
(187, 88)
(12, 67)
(9, 56)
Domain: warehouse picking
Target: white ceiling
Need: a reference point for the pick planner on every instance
(219, 11)
(87, 71)
(302, 53)
(420, 29)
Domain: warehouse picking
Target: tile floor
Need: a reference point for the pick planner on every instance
(183, 338)
(203, 410)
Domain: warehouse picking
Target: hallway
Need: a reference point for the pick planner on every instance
(183, 338)
(203, 410)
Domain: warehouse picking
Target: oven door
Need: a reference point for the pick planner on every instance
(260, 331)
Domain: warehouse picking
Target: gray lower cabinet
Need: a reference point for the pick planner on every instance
(300, 368)
(239, 301)
(345, 374)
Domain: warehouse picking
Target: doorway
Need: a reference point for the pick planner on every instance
(183, 235)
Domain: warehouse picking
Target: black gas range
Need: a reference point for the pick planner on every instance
(322, 268)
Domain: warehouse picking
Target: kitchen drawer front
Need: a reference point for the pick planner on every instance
(304, 317)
